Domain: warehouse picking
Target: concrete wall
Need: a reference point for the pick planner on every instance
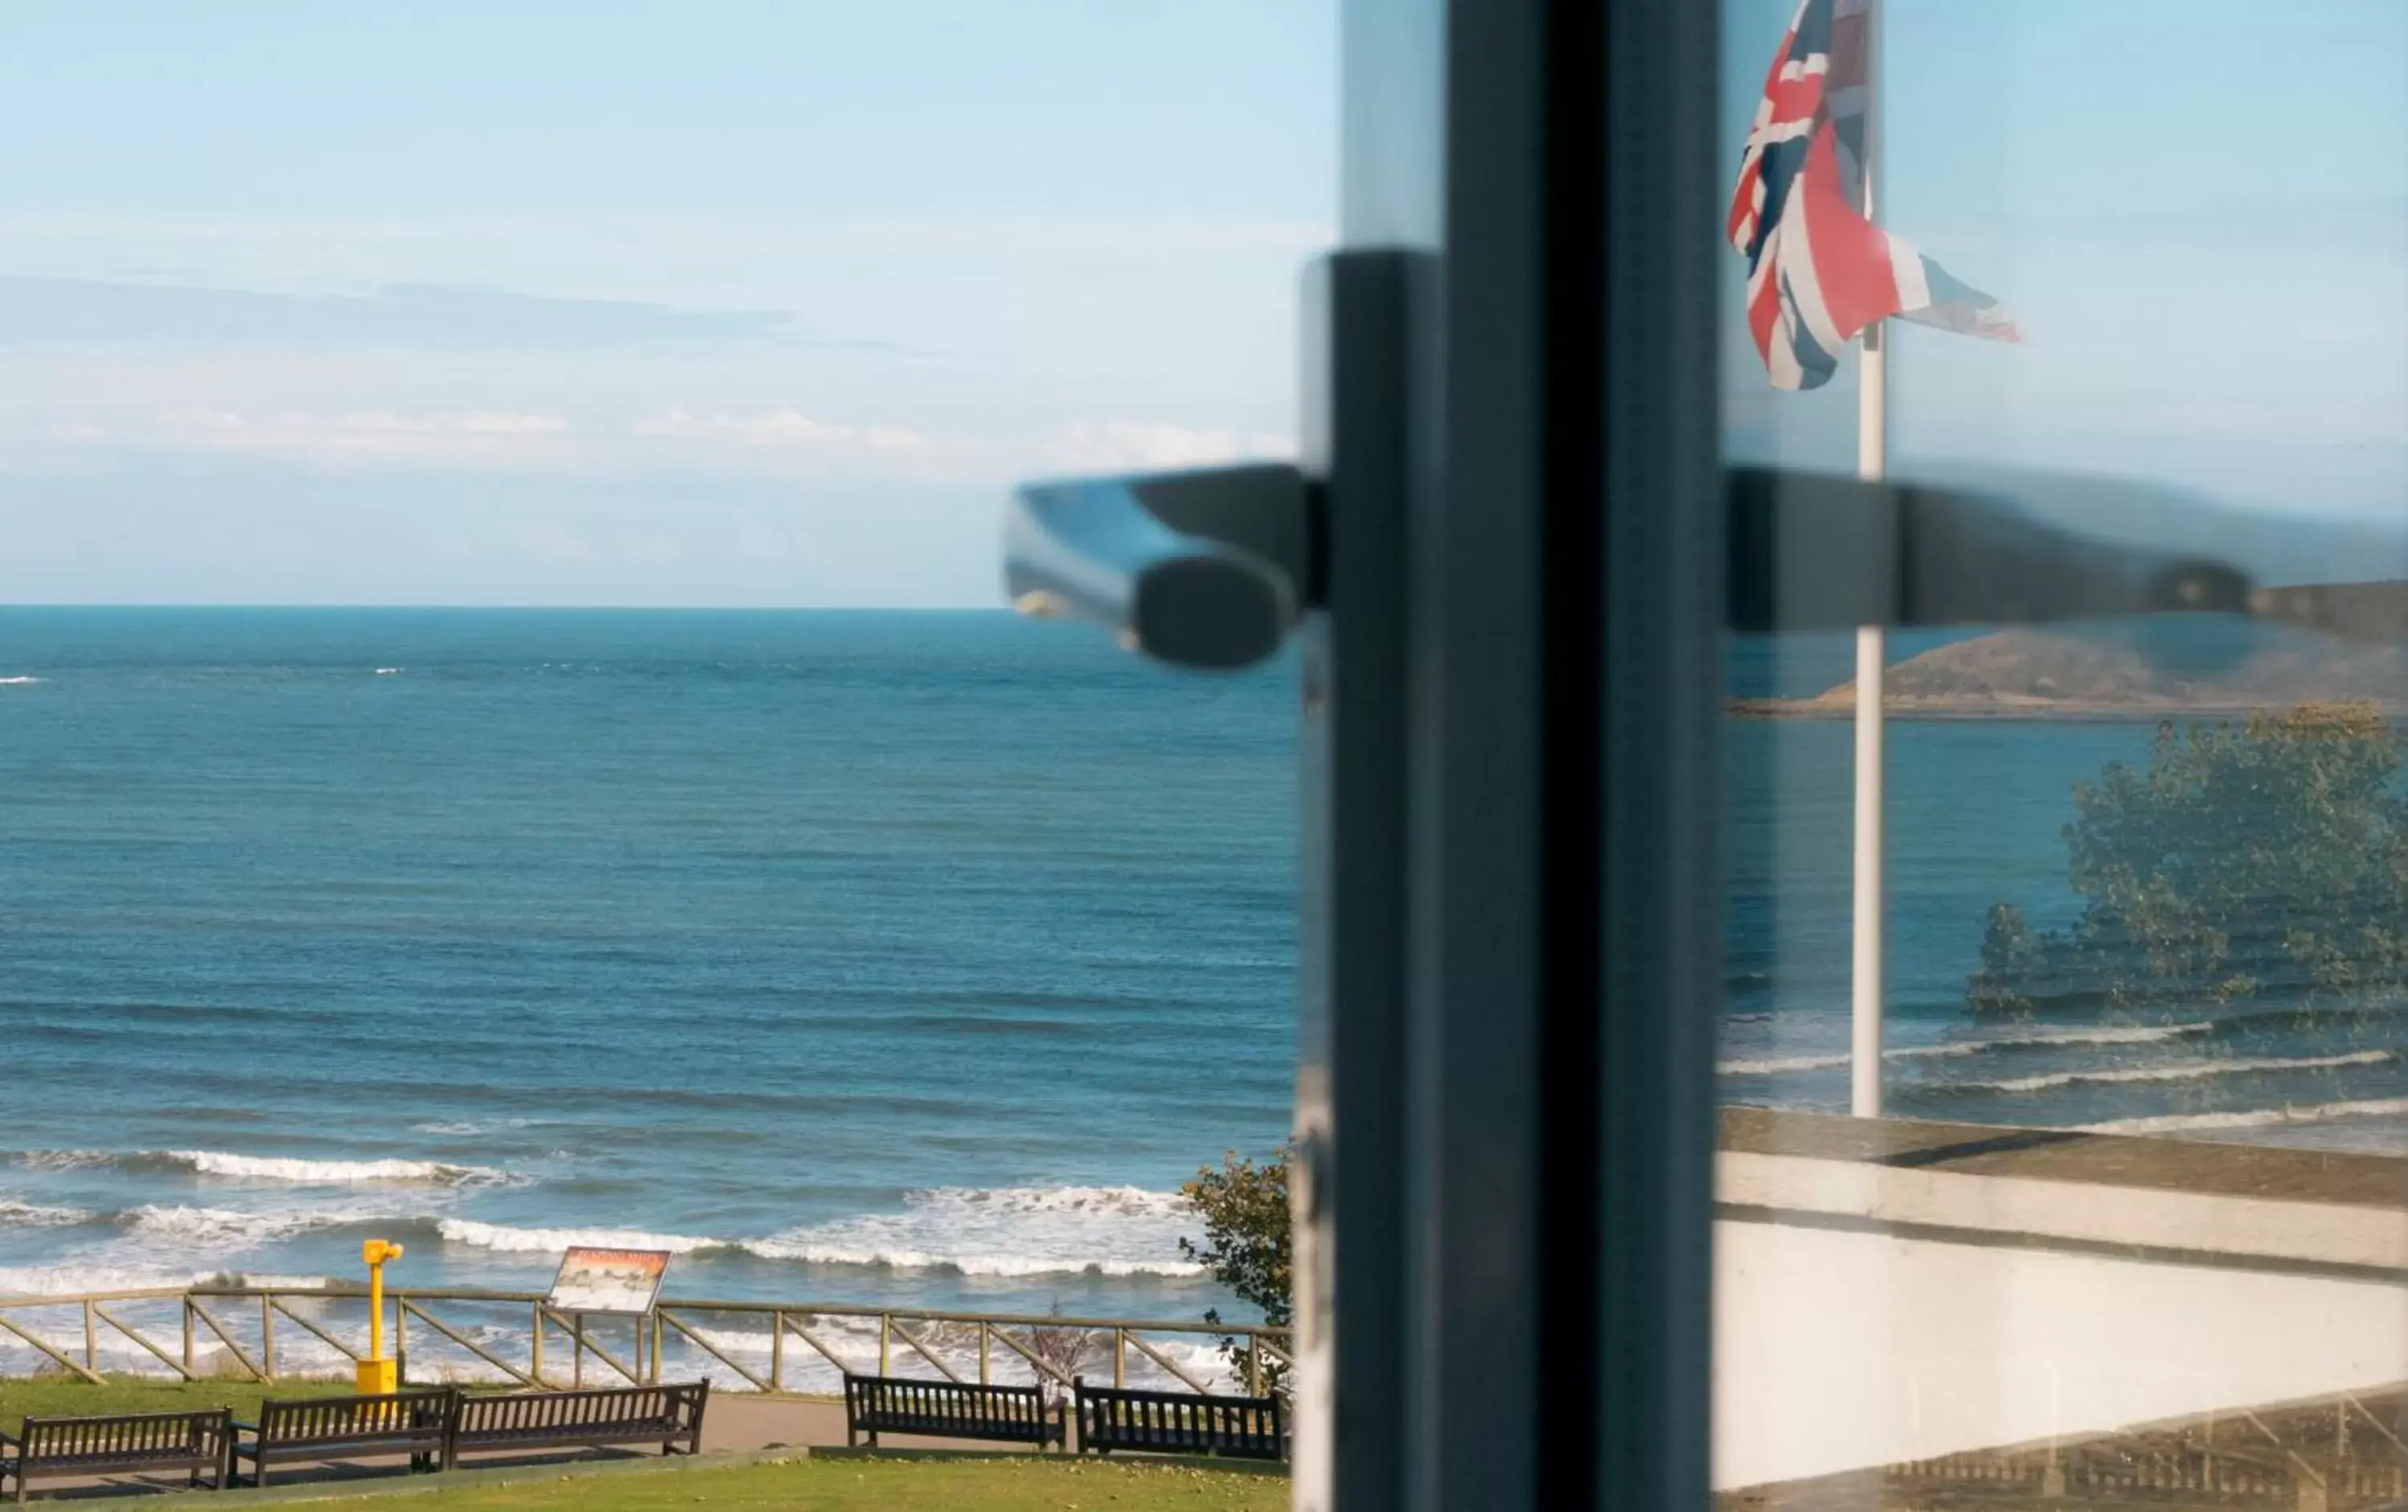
(1847, 1335)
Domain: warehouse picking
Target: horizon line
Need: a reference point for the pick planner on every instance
(527, 608)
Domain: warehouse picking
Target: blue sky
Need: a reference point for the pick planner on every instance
(712, 302)
(2198, 213)
(769, 301)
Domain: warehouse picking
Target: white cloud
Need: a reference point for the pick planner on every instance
(1116, 446)
(784, 428)
(471, 437)
(789, 439)
(782, 442)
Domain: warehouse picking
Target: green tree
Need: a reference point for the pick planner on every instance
(2269, 858)
(1246, 1243)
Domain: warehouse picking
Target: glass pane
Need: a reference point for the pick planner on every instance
(2129, 1224)
(799, 912)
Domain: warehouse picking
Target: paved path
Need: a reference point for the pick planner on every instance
(734, 1424)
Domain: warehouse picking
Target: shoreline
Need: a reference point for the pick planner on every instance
(2009, 711)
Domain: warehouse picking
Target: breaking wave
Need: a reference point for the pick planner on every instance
(269, 1167)
(25, 1215)
(2256, 1118)
(2035, 1040)
(1007, 1232)
(2181, 1071)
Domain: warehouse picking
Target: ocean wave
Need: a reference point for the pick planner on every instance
(1007, 1266)
(2256, 1118)
(21, 682)
(269, 1167)
(1008, 1232)
(25, 1215)
(274, 1168)
(2182, 1071)
(63, 1159)
(73, 1277)
(238, 1227)
(2035, 1039)
(998, 1232)
(506, 1239)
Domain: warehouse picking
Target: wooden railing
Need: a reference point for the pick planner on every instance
(234, 1330)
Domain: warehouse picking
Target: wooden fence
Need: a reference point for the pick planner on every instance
(516, 1337)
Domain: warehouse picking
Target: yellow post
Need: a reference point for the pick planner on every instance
(377, 1373)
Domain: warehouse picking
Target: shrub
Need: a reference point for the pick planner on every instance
(1246, 1245)
(2268, 859)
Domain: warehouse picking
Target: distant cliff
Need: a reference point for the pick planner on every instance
(2031, 674)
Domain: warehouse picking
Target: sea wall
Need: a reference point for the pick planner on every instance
(1900, 1290)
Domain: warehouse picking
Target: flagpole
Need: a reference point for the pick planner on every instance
(1872, 464)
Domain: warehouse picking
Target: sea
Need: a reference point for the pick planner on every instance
(906, 960)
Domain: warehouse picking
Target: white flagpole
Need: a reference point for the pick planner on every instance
(1872, 464)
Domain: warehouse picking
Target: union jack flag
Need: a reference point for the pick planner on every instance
(1817, 271)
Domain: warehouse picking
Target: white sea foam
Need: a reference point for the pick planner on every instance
(227, 1230)
(24, 1214)
(509, 1240)
(388, 672)
(2181, 1071)
(460, 1128)
(92, 1274)
(268, 1167)
(2256, 1118)
(331, 1172)
(63, 1159)
(2036, 1039)
(1010, 1232)
(21, 682)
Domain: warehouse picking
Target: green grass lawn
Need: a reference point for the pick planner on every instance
(66, 1397)
(839, 1485)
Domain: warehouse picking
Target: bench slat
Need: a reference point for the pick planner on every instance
(1179, 1422)
(875, 1404)
(669, 1416)
(50, 1447)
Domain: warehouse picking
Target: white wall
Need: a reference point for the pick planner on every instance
(1836, 1350)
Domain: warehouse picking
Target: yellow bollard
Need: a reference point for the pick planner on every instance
(377, 1375)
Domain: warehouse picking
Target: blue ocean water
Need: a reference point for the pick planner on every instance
(902, 959)
(911, 957)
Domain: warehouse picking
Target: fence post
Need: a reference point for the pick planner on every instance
(1253, 1365)
(266, 1336)
(90, 1339)
(985, 1352)
(534, 1345)
(1120, 1359)
(401, 1339)
(576, 1333)
(657, 1330)
(188, 1365)
(777, 1352)
(885, 1340)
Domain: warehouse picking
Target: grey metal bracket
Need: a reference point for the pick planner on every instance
(1811, 551)
(1208, 569)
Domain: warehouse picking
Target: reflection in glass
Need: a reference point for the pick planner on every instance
(2134, 1228)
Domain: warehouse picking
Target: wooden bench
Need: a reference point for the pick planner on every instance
(50, 1448)
(317, 1429)
(1179, 1422)
(669, 1416)
(875, 1404)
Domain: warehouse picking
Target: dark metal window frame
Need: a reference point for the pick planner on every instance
(1564, 674)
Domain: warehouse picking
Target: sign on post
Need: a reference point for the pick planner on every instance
(608, 1281)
